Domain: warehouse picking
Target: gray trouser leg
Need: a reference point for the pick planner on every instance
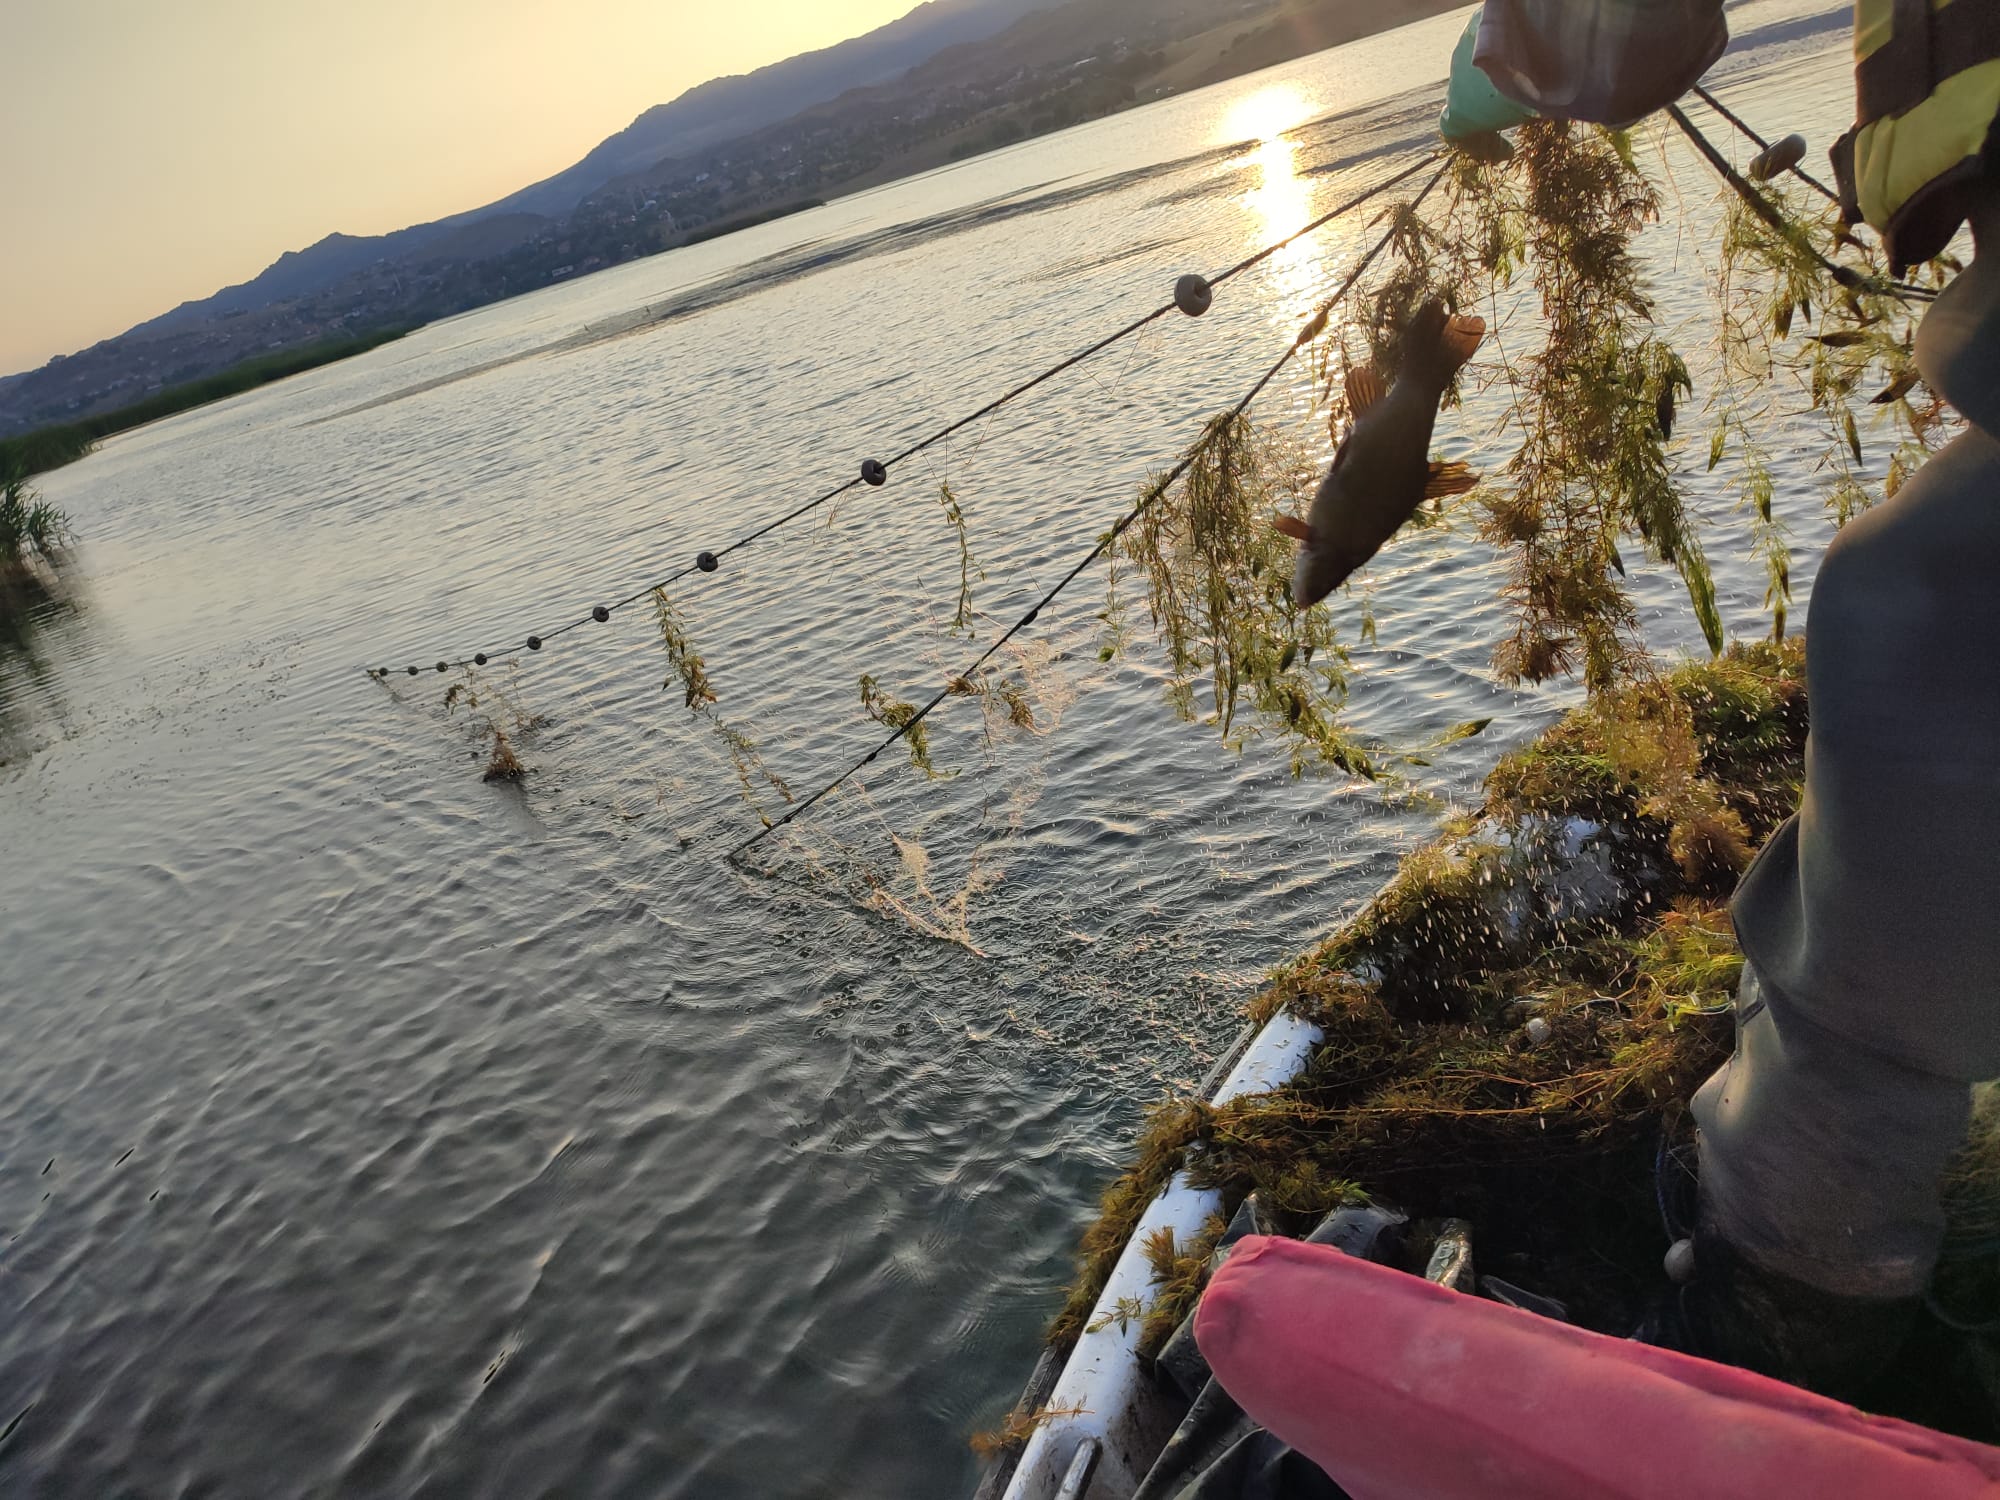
(1821, 1160)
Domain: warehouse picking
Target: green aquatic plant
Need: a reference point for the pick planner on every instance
(689, 670)
(31, 529)
(1013, 1434)
(954, 515)
(1162, 1146)
(891, 712)
(1179, 1271)
(1219, 587)
(1858, 361)
(754, 779)
(1689, 963)
(1006, 701)
(1116, 637)
(1545, 1144)
(1595, 407)
(1776, 285)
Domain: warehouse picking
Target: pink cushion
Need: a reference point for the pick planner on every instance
(1398, 1388)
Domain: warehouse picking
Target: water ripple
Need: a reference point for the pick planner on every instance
(368, 1130)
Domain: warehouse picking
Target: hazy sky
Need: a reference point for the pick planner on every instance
(157, 150)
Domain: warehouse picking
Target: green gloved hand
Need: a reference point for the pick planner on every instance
(1475, 112)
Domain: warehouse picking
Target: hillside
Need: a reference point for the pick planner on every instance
(705, 114)
(1035, 67)
(729, 107)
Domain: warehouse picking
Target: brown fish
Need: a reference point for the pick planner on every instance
(1383, 470)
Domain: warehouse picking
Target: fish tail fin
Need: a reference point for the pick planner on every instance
(1462, 334)
(1440, 342)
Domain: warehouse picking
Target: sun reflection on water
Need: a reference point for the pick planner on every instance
(1281, 199)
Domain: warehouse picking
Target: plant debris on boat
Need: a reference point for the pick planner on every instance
(1586, 896)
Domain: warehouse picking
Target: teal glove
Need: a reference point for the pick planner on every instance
(1475, 112)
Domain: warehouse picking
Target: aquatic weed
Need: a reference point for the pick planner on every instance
(31, 529)
(689, 670)
(1428, 1092)
(1020, 1426)
(504, 718)
(891, 712)
(1219, 586)
(954, 515)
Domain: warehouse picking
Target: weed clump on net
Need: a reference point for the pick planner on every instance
(1429, 1091)
(505, 764)
(1596, 410)
(968, 565)
(1013, 1434)
(689, 670)
(1179, 1269)
(500, 716)
(755, 781)
(1161, 1149)
(891, 712)
(1219, 586)
(1655, 791)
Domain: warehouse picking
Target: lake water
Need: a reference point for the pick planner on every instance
(367, 1129)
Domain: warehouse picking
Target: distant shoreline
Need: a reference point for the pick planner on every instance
(52, 447)
(46, 448)
(1217, 55)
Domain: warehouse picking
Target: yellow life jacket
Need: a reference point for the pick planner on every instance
(1927, 92)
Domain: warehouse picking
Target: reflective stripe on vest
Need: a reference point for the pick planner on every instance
(1927, 85)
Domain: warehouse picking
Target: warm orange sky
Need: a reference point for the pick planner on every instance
(153, 151)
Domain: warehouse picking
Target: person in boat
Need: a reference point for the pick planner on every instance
(1870, 1004)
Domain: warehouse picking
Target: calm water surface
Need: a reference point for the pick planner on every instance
(365, 1129)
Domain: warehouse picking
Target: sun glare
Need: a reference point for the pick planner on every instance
(1266, 115)
(1280, 198)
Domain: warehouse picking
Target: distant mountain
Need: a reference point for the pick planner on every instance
(729, 107)
(953, 79)
(711, 112)
(1056, 33)
(298, 273)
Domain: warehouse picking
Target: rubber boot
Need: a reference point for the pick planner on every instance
(1735, 1312)
(1723, 1306)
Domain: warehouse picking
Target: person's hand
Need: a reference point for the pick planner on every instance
(1475, 112)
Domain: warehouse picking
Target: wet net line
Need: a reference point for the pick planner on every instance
(1750, 132)
(1192, 297)
(1762, 206)
(1154, 492)
(1844, 275)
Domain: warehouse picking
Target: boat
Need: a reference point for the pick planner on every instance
(1112, 1419)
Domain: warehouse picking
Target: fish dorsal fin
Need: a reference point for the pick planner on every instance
(1364, 389)
(1292, 527)
(1449, 477)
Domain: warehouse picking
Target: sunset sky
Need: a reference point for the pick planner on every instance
(158, 152)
